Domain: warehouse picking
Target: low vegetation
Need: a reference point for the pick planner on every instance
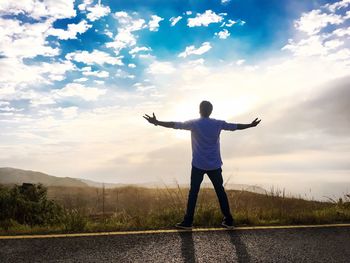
(32, 209)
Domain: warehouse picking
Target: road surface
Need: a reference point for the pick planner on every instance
(317, 244)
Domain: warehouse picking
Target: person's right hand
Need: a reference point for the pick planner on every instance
(255, 122)
(150, 119)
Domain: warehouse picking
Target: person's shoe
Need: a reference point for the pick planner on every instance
(229, 225)
(184, 225)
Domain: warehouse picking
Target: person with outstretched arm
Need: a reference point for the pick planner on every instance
(206, 158)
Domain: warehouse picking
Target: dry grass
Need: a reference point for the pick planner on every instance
(130, 208)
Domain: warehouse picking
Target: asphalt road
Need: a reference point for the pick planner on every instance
(329, 244)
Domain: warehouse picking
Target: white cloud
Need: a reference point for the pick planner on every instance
(137, 50)
(153, 24)
(99, 82)
(225, 1)
(99, 74)
(87, 71)
(125, 37)
(160, 68)
(223, 34)
(205, 47)
(97, 11)
(131, 65)
(340, 32)
(340, 55)
(333, 44)
(347, 15)
(37, 9)
(338, 5)
(57, 70)
(108, 33)
(4, 103)
(79, 91)
(16, 76)
(85, 4)
(17, 39)
(81, 80)
(204, 19)
(188, 13)
(95, 57)
(173, 20)
(143, 87)
(240, 62)
(124, 75)
(72, 30)
(306, 47)
(69, 112)
(9, 109)
(314, 21)
(230, 23)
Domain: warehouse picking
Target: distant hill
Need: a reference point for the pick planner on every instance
(17, 176)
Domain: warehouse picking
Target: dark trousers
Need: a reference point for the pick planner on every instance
(215, 177)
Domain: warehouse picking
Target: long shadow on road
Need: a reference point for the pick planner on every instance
(240, 247)
(187, 247)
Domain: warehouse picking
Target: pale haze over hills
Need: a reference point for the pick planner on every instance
(17, 176)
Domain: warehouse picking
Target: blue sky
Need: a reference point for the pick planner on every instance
(76, 77)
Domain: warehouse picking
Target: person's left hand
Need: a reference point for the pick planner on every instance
(255, 122)
(150, 119)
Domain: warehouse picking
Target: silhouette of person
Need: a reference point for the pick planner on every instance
(206, 158)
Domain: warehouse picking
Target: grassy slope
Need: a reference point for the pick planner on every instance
(130, 208)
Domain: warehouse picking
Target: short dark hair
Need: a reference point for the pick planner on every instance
(205, 108)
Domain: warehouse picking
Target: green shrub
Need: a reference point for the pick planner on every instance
(28, 205)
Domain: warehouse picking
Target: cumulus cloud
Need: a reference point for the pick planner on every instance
(205, 19)
(230, 23)
(97, 11)
(95, 57)
(38, 9)
(240, 62)
(76, 90)
(138, 49)
(81, 79)
(15, 75)
(72, 30)
(153, 24)
(173, 20)
(321, 40)
(100, 74)
(158, 67)
(124, 75)
(192, 50)
(17, 39)
(223, 34)
(338, 5)
(313, 21)
(85, 4)
(341, 32)
(125, 37)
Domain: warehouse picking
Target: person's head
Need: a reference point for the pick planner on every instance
(205, 108)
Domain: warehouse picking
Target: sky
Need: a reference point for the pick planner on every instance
(77, 76)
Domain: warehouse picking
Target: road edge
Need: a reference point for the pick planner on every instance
(140, 232)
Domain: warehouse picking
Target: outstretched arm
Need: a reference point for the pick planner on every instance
(250, 125)
(153, 120)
